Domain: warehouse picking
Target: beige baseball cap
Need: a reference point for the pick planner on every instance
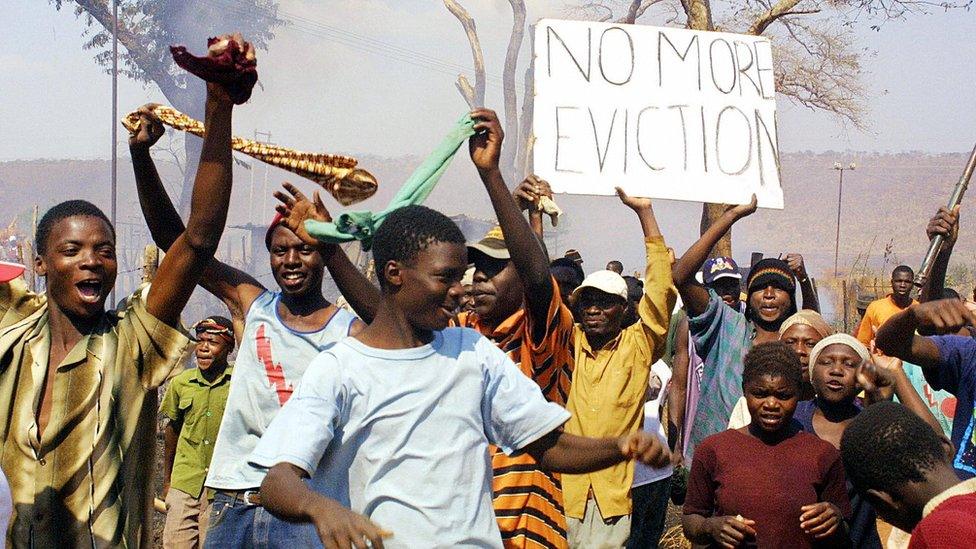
(492, 245)
(607, 282)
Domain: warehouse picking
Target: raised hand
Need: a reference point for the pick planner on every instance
(230, 67)
(632, 202)
(645, 448)
(485, 145)
(295, 208)
(744, 210)
(795, 261)
(820, 520)
(150, 128)
(945, 316)
(945, 223)
(729, 531)
(529, 191)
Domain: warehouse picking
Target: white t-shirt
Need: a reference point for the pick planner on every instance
(272, 360)
(644, 474)
(401, 436)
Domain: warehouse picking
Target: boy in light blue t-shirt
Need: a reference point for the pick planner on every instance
(394, 423)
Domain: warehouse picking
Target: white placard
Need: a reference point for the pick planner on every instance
(661, 112)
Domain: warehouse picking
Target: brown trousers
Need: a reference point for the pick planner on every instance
(186, 520)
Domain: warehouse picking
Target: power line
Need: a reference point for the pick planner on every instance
(369, 44)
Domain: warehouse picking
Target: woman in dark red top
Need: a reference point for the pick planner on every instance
(768, 484)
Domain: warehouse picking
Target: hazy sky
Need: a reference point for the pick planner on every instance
(378, 76)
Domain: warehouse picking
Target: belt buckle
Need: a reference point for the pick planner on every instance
(247, 497)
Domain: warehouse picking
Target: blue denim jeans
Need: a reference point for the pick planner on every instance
(236, 524)
(650, 505)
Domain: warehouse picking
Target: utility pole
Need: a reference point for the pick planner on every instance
(115, 117)
(840, 196)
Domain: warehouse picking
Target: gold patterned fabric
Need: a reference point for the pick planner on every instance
(338, 175)
(85, 481)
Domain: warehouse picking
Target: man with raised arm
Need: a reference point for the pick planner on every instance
(517, 306)
(948, 361)
(610, 381)
(279, 333)
(722, 335)
(79, 383)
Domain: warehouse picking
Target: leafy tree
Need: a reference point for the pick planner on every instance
(146, 30)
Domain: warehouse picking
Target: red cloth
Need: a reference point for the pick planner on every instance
(736, 474)
(10, 271)
(231, 68)
(951, 525)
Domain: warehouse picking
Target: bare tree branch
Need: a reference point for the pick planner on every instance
(780, 9)
(478, 57)
(509, 152)
(523, 158)
(636, 10)
(467, 92)
(596, 11)
(817, 68)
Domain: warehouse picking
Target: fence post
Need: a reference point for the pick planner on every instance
(150, 261)
(843, 285)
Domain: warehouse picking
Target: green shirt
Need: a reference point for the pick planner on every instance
(198, 406)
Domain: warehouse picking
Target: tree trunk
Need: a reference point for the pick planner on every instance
(190, 101)
(475, 96)
(700, 18)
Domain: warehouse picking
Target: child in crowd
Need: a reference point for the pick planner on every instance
(801, 331)
(768, 484)
(394, 423)
(904, 469)
(840, 367)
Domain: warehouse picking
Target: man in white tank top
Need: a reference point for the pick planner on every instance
(279, 333)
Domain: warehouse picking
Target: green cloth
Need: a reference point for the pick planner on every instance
(198, 406)
(362, 225)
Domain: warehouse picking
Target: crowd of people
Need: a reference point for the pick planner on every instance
(482, 395)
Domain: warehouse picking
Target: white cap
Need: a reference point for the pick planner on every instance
(607, 282)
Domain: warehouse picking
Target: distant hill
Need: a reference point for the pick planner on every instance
(887, 199)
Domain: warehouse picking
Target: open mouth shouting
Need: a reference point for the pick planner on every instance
(90, 290)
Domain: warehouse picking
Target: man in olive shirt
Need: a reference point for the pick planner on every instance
(194, 404)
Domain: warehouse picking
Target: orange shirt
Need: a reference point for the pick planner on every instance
(878, 312)
(528, 501)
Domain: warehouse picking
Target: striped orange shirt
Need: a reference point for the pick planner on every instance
(529, 501)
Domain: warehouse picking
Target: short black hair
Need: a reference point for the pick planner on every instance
(569, 264)
(409, 230)
(949, 293)
(887, 445)
(635, 288)
(774, 359)
(68, 208)
(903, 269)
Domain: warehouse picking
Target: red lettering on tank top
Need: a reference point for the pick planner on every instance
(274, 372)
